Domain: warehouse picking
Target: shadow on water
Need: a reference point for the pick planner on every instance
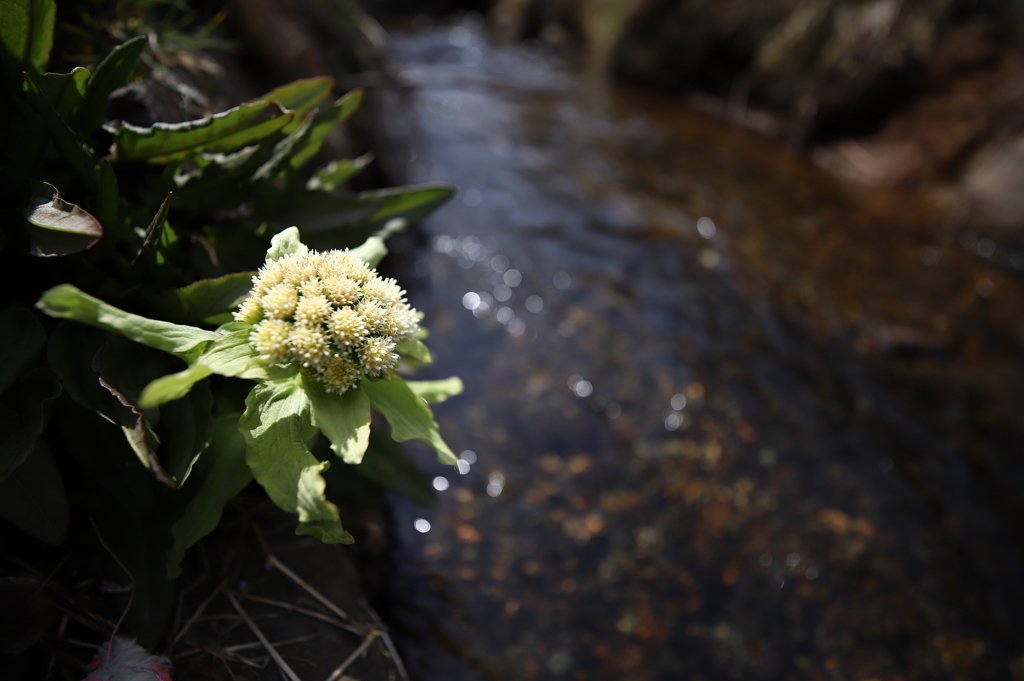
(724, 417)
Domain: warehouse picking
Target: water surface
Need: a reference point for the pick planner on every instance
(726, 417)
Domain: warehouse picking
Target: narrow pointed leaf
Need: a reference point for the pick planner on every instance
(300, 96)
(409, 416)
(156, 225)
(187, 427)
(324, 122)
(344, 419)
(111, 73)
(68, 302)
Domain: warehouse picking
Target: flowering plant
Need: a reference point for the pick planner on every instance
(321, 334)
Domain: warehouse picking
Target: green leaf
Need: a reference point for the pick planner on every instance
(435, 392)
(32, 498)
(172, 387)
(68, 302)
(300, 96)
(386, 464)
(285, 243)
(372, 251)
(107, 202)
(409, 416)
(64, 91)
(411, 204)
(222, 473)
(337, 173)
(416, 349)
(156, 226)
(22, 339)
(323, 123)
(276, 425)
(207, 300)
(26, 34)
(23, 416)
(284, 149)
(111, 73)
(230, 355)
(227, 131)
(344, 419)
(57, 227)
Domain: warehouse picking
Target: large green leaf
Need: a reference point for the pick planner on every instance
(434, 392)
(32, 498)
(227, 131)
(322, 124)
(222, 473)
(277, 425)
(344, 419)
(209, 301)
(111, 73)
(68, 302)
(22, 339)
(23, 417)
(26, 34)
(386, 464)
(409, 416)
(64, 91)
(57, 227)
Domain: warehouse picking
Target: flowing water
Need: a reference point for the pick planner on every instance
(724, 417)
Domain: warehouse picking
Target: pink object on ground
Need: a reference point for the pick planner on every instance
(128, 661)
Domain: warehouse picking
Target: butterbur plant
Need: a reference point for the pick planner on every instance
(321, 335)
(169, 362)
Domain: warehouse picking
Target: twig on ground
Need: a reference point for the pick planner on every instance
(303, 611)
(195, 616)
(337, 673)
(298, 580)
(281, 664)
(396, 658)
(246, 646)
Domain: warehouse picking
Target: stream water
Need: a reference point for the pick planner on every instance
(724, 416)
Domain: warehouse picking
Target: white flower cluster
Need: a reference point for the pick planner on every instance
(331, 312)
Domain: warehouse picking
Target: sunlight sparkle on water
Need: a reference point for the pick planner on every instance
(440, 483)
(534, 304)
(706, 227)
(513, 277)
(561, 280)
(422, 525)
